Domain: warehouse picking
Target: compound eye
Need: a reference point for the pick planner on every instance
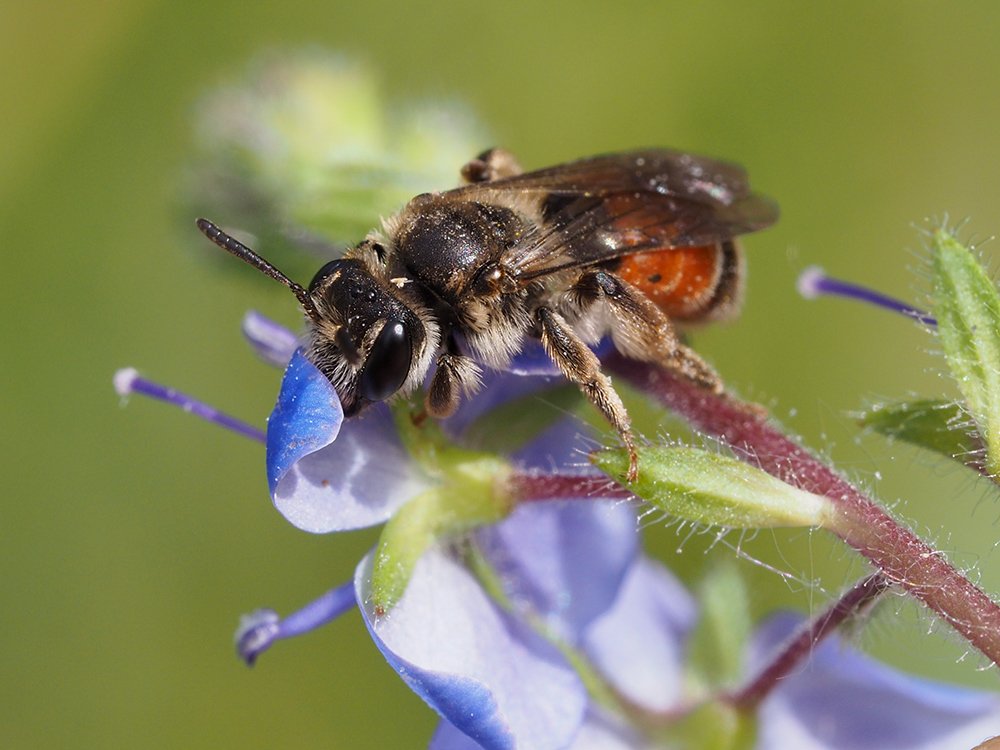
(388, 362)
(325, 271)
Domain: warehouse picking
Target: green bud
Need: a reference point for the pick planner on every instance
(307, 151)
(709, 488)
(967, 308)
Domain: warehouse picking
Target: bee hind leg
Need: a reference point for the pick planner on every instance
(580, 365)
(639, 329)
(494, 164)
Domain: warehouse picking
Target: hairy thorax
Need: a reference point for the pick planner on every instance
(459, 254)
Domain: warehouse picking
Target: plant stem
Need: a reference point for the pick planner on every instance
(801, 644)
(539, 486)
(897, 552)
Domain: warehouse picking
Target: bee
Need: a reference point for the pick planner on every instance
(622, 244)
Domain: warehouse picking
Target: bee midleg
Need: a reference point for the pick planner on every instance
(456, 374)
(639, 328)
(575, 360)
(494, 164)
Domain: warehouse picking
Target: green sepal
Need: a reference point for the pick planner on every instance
(710, 488)
(967, 308)
(935, 425)
(469, 493)
(718, 642)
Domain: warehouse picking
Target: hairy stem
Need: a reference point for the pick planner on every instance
(536, 486)
(801, 644)
(897, 552)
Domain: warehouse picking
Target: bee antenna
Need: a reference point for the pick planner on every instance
(234, 247)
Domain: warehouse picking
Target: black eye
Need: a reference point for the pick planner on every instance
(388, 362)
(325, 271)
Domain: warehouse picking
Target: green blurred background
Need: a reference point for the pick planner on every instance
(133, 538)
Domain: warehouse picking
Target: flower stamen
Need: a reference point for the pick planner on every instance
(128, 381)
(260, 629)
(813, 282)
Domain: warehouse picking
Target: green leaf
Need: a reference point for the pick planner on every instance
(710, 488)
(967, 308)
(719, 640)
(936, 425)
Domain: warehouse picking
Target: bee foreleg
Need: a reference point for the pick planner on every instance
(494, 164)
(581, 366)
(639, 329)
(456, 374)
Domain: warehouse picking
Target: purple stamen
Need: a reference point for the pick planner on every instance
(261, 628)
(128, 381)
(814, 282)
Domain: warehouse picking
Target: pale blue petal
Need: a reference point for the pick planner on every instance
(843, 700)
(563, 561)
(447, 737)
(498, 388)
(532, 359)
(563, 447)
(330, 474)
(530, 371)
(481, 669)
(596, 733)
(638, 643)
(599, 732)
(273, 343)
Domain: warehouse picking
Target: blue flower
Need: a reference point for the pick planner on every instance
(843, 700)
(548, 628)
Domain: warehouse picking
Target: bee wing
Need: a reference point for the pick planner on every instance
(607, 206)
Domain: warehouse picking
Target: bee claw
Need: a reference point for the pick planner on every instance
(633, 465)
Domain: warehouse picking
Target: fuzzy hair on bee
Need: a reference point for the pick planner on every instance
(621, 245)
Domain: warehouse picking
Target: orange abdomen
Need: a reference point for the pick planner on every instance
(688, 283)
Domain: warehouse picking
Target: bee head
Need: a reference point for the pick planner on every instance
(363, 336)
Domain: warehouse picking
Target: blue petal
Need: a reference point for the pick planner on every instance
(843, 700)
(563, 561)
(497, 388)
(306, 417)
(596, 733)
(563, 447)
(530, 371)
(320, 485)
(638, 644)
(485, 672)
(532, 360)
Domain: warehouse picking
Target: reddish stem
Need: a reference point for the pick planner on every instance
(532, 486)
(896, 551)
(801, 644)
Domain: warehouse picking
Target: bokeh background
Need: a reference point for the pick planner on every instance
(133, 538)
